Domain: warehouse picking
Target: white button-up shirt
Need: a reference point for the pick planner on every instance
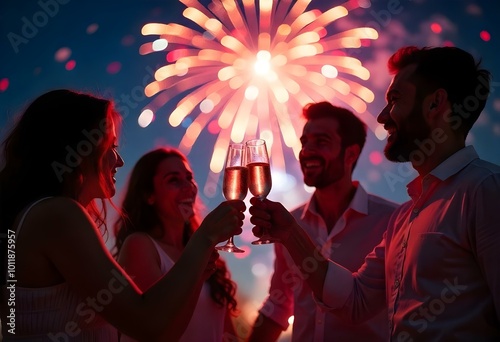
(354, 235)
(437, 269)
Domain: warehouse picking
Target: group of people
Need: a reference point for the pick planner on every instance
(350, 266)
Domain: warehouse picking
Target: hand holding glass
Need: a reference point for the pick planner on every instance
(259, 177)
(235, 184)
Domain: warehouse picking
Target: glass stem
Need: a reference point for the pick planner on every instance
(230, 242)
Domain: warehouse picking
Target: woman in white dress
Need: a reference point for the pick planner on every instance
(161, 213)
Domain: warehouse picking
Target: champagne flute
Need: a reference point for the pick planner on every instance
(235, 184)
(259, 178)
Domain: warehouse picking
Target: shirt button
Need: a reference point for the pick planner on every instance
(416, 210)
(396, 283)
(405, 244)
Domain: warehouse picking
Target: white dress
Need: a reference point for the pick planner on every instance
(207, 322)
(54, 313)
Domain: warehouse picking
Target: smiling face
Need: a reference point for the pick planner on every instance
(322, 156)
(99, 180)
(111, 161)
(175, 189)
(403, 118)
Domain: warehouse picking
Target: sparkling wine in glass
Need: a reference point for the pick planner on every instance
(259, 177)
(235, 184)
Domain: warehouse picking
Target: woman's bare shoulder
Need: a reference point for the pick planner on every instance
(137, 251)
(57, 213)
(54, 205)
(137, 240)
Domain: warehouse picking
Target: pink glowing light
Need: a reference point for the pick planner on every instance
(485, 35)
(70, 65)
(92, 28)
(114, 67)
(62, 54)
(4, 84)
(376, 158)
(436, 28)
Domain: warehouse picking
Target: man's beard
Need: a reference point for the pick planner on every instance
(330, 173)
(402, 148)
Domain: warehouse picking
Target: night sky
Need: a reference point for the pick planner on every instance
(94, 46)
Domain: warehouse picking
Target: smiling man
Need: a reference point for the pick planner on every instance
(436, 270)
(341, 218)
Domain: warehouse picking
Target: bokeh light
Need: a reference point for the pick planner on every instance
(114, 67)
(62, 54)
(4, 84)
(259, 269)
(70, 65)
(128, 40)
(496, 129)
(374, 175)
(436, 28)
(485, 35)
(376, 157)
(92, 28)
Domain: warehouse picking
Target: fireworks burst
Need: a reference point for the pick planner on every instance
(251, 69)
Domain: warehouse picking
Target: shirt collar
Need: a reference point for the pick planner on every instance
(451, 166)
(359, 202)
(455, 163)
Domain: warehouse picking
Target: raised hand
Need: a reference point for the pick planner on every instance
(223, 222)
(273, 217)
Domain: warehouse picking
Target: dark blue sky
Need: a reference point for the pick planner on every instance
(31, 32)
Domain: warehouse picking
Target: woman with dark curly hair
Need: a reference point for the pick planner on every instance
(161, 211)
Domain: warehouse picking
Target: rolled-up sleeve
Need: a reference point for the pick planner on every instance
(338, 286)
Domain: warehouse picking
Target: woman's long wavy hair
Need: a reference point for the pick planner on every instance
(139, 216)
(61, 137)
